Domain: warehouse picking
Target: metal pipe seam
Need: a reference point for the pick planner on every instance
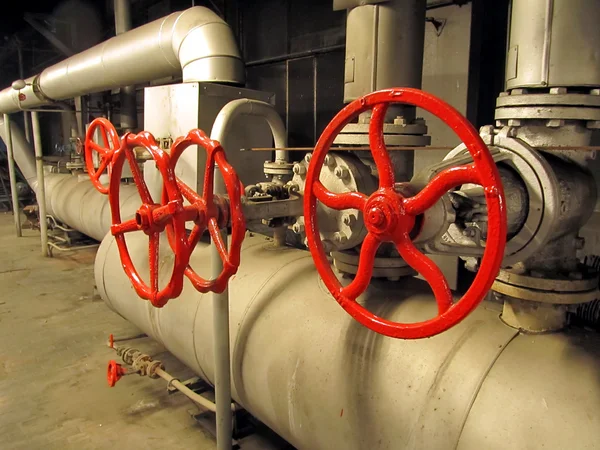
(195, 42)
(245, 106)
(321, 380)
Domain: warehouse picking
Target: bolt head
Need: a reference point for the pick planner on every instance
(299, 169)
(329, 160)
(308, 157)
(341, 172)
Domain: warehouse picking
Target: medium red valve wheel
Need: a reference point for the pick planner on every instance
(151, 218)
(390, 217)
(111, 143)
(114, 372)
(210, 211)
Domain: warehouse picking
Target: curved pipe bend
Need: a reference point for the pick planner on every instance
(245, 106)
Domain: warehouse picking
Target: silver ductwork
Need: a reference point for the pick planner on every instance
(195, 42)
(322, 381)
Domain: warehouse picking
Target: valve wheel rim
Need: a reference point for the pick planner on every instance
(113, 374)
(112, 143)
(206, 206)
(390, 217)
(151, 218)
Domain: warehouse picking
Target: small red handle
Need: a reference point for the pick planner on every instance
(111, 143)
(151, 218)
(390, 217)
(209, 211)
(114, 372)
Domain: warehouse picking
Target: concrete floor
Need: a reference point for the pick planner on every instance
(53, 357)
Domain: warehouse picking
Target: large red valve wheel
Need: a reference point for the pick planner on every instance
(390, 217)
(212, 212)
(151, 218)
(111, 143)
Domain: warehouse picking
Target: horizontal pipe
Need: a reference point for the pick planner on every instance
(319, 379)
(196, 43)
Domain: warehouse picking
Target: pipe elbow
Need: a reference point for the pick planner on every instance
(206, 47)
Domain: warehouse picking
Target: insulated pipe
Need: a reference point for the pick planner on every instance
(195, 42)
(127, 93)
(12, 174)
(321, 380)
(226, 118)
(71, 199)
(41, 190)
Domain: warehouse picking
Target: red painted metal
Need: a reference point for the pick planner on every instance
(210, 211)
(111, 142)
(114, 372)
(390, 217)
(151, 218)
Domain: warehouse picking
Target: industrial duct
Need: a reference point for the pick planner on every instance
(195, 42)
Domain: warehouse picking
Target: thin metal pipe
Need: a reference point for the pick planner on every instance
(220, 303)
(547, 42)
(127, 94)
(41, 188)
(304, 54)
(202, 401)
(12, 174)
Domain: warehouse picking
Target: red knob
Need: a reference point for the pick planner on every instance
(114, 372)
(211, 212)
(390, 216)
(151, 218)
(111, 143)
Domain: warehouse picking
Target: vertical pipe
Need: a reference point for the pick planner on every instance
(127, 93)
(221, 341)
(12, 175)
(41, 190)
(21, 74)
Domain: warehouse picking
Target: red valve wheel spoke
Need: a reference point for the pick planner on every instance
(385, 168)
(440, 185)
(347, 200)
(151, 219)
(390, 217)
(111, 142)
(365, 267)
(213, 211)
(430, 271)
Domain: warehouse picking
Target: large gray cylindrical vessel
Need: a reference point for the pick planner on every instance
(322, 381)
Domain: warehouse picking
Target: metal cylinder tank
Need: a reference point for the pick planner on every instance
(384, 47)
(548, 39)
(322, 381)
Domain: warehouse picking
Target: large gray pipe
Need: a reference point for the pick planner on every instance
(71, 199)
(322, 381)
(195, 42)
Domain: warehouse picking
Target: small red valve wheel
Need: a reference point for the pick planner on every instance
(114, 372)
(151, 218)
(111, 143)
(390, 217)
(212, 211)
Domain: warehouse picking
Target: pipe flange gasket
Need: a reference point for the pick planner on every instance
(547, 112)
(548, 100)
(542, 296)
(586, 284)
